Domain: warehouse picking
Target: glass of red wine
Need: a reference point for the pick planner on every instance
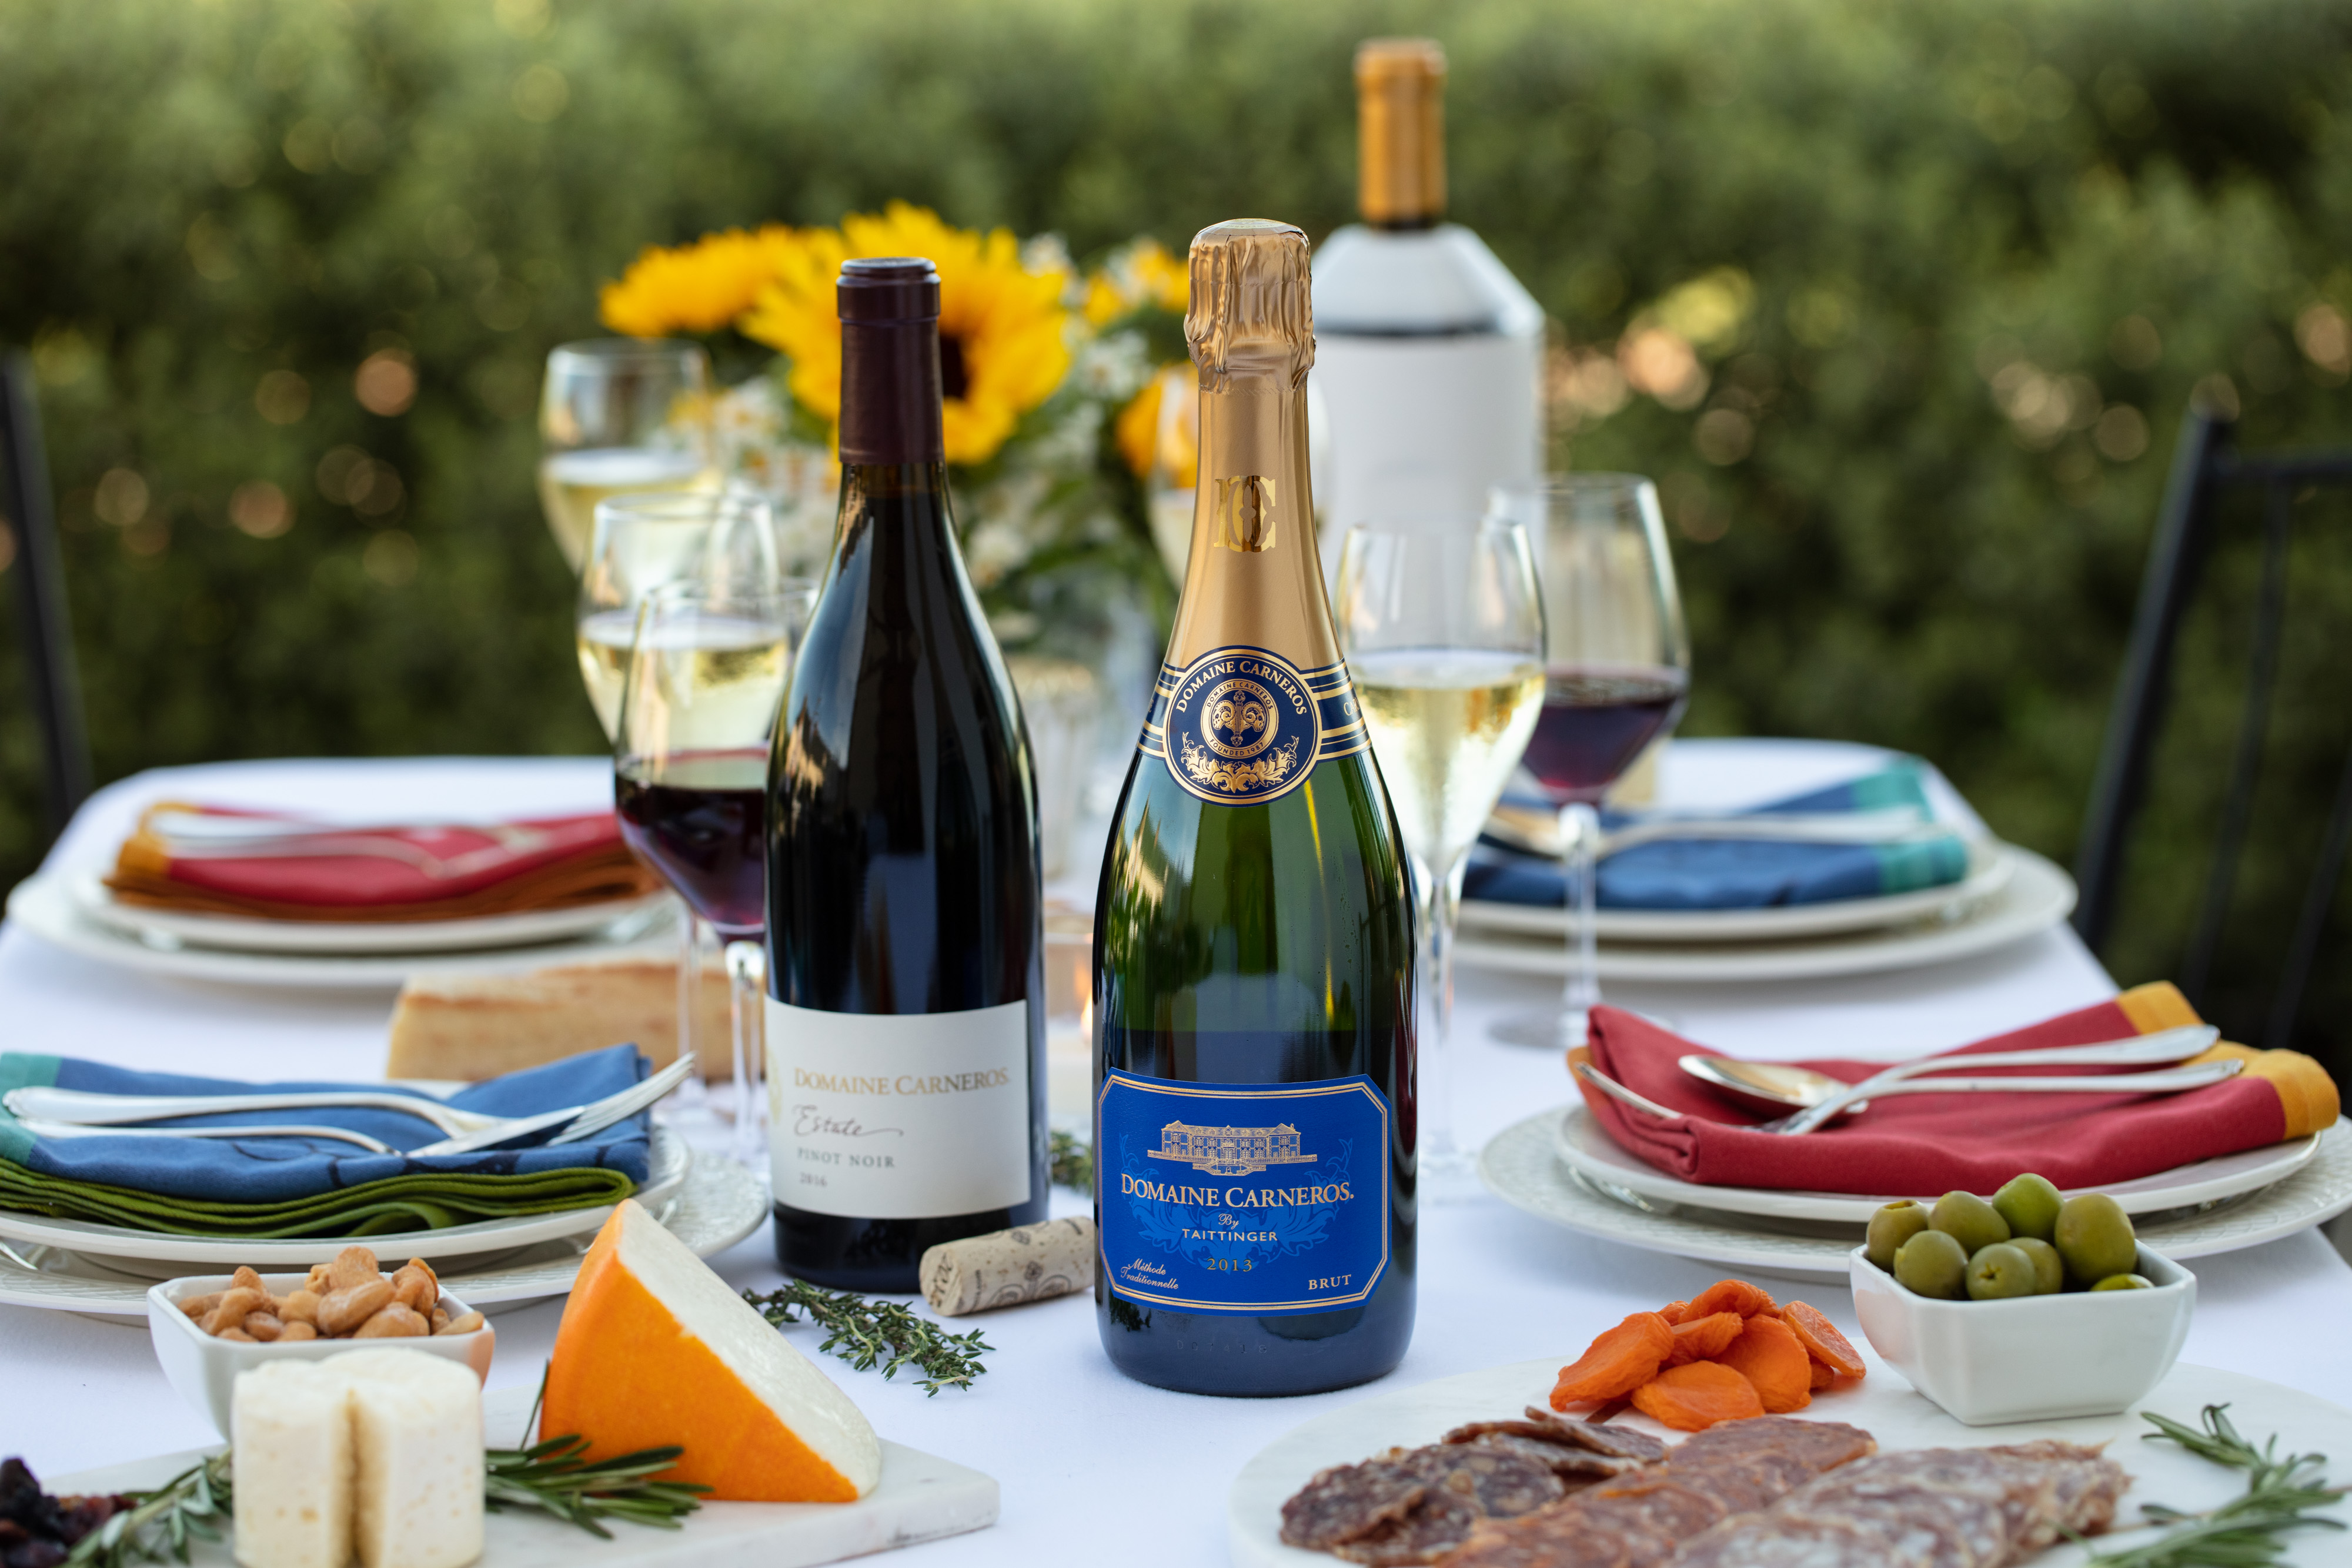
(1616, 678)
(706, 676)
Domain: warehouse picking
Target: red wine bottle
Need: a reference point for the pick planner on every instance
(906, 1013)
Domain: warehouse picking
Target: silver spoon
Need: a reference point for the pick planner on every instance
(1780, 1085)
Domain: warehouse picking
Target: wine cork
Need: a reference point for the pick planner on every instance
(1006, 1267)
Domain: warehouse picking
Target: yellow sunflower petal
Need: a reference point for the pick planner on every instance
(696, 287)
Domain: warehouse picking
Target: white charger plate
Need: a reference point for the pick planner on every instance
(1991, 864)
(1578, 1139)
(124, 1248)
(1521, 1167)
(1882, 1404)
(2037, 896)
(45, 906)
(719, 1205)
(249, 934)
(921, 1497)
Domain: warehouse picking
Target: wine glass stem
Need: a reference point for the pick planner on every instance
(689, 976)
(747, 983)
(1580, 832)
(1439, 896)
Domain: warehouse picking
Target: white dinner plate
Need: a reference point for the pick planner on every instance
(2037, 896)
(1882, 1404)
(1578, 1139)
(1990, 866)
(1523, 1167)
(718, 1205)
(248, 934)
(160, 1255)
(45, 906)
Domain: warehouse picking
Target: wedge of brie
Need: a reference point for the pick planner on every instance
(656, 1349)
(290, 1422)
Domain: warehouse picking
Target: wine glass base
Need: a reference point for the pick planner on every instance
(1553, 1029)
(1448, 1177)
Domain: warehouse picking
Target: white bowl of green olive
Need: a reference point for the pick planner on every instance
(2062, 1313)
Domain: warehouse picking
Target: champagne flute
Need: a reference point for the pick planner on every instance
(1617, 676)
(705, 678)
(645, 542)
(1442, 623)
(620, 417)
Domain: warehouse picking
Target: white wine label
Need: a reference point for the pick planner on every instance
(898, 1115)
(1243, 1197)
(1240, 726)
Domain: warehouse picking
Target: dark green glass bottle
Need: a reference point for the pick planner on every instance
(1253, 952)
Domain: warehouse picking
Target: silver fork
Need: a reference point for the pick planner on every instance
(92, 1116)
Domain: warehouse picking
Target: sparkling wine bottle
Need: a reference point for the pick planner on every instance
(906, 1017)
(1430, 356)
(1254, 953)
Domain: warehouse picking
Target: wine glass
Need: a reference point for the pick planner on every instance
(704, 679)
(645, 542)
(620, 416)
(1617, 676)
(1442, 623)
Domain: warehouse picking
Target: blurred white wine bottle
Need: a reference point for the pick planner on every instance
(1429, 354)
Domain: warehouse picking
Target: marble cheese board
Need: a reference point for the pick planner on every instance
(1882, 1404)
(921, 1497)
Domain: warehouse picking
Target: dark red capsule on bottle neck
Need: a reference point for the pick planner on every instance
(889, 360)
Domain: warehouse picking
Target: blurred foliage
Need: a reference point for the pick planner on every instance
(1926, 287)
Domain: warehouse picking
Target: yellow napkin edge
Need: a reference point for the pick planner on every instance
(2307, 1095)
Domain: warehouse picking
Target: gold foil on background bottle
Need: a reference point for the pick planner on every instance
(1401, 132)
(1253, 693)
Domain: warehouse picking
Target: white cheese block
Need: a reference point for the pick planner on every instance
(416, 1430)
(293, 1436)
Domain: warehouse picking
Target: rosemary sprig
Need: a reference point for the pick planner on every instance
(1073, 1162)
(865, 1333)
(191, 1505)
(552, 1477)
(2245, 1532)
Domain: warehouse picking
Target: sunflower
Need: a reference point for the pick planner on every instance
(1141, 274)
(1002, 330)
(696, 287)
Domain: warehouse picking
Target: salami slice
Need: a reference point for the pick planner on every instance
(1349, 1501)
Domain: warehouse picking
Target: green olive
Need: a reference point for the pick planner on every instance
(1891, 1226)
(2094, 1237)
(2125, 1282)
(1969, 1220)
(2049, 1269)
(1932, 1264)
(2000, 1271)
(2030, 1204)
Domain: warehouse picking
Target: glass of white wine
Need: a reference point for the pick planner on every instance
(645, 542)
(620, 417)
(1442, 622)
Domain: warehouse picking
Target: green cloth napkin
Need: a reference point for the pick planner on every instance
(418, 1201)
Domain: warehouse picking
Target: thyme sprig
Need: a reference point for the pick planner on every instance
(867, 1334)
(2247, 1530)
(192, 1505)
(1073, 1162)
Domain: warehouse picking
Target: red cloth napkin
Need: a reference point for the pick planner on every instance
(1925, 1144)
(181, 857)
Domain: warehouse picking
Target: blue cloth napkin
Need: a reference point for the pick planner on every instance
(277, 1170)
(1744, 873)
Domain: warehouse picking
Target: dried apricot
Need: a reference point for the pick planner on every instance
(1821, 1339)
(1823, 1377)
(1693, 1397)
(1730, 1296)
(1770, 1356)
(1620, 1361)
(1702, 1339)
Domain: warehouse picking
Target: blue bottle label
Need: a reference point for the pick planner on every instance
(1243, 1197)
(1241, 726)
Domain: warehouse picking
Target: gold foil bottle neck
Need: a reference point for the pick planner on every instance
(1400, 132)
(1249, 313)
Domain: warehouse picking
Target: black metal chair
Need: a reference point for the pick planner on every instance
(42, 622)
(2207, 466)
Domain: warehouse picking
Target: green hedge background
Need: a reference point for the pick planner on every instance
(1986, 250)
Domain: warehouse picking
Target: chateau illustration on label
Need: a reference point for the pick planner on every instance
(1230, 1151)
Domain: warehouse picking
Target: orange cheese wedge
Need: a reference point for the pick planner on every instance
(656, 1350)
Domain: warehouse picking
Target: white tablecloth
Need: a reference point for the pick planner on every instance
(1091, 1464)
